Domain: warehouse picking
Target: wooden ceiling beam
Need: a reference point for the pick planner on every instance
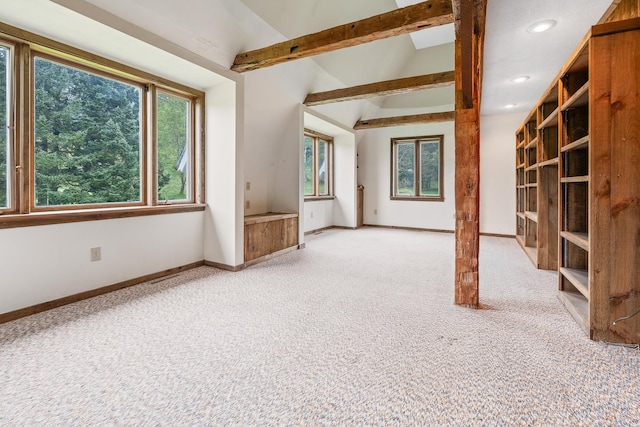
(389, 87)
(415, 119)
(400, 21)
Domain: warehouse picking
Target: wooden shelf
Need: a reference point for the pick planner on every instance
(580, 98)
(578, 278)
(574, 139)
(532, 253)
(267, 217)
(520, 166)
(520, 186)
(576, 145)
(578, 306)
(574, 179)
(579, 239)
(551, 120)
(549, 162)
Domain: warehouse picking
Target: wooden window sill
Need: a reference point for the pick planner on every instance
(318, 198)
(418, 198)
(64, 217)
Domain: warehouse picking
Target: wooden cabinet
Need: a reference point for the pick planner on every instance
(587, 181)
(267, 234)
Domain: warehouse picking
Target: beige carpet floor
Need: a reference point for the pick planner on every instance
(359, 328)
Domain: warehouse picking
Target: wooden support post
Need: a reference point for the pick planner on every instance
(469, 19)
(467, 185)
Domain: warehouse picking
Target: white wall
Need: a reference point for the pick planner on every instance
(374, 173)
(318, 214)
(43, 263)
(345, 176)
(224, 217)
(497, 177)
(497, 173)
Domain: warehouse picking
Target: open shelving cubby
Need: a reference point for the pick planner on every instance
(520, 186)
(578, 182)
(548, 118)
(527, 187)
(573, 277)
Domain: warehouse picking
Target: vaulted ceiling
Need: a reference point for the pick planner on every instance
(219, 29)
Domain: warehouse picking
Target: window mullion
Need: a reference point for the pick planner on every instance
(23, 131)
(151, 144)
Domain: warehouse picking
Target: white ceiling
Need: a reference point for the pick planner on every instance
(430, 36)
(216, 30)
(510, 51)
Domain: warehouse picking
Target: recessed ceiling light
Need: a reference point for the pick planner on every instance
(509, 105)
(520, 79)
(541, 26)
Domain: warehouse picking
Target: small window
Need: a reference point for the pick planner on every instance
(318, 162)
(175, 160)
(88, 137)
(5, 131)
(416, 168)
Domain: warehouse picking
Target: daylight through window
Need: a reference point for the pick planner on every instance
(88, 137)
(5, 136)
(416, 169)
(317, 165)
(84, 133)
(174, 150)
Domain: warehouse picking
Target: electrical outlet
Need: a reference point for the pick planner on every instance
(247, 204)
(375, 211)
(247, 185)
(311, 214)
(96, 254)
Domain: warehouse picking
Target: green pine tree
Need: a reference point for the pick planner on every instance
(87, 138)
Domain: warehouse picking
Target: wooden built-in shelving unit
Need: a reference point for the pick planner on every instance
(578, 182)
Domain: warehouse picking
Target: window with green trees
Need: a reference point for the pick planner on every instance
(5, 78)
(88, 137)
(174, 151)
(317, 165)
(416, 171)
(80, 132)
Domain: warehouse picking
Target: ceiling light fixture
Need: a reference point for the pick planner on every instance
(541, 26)
(520, 79)
(509, 105)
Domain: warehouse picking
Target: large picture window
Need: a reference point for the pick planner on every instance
(88, 137)
(416, 168)
(83, 133)
(318, 163)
